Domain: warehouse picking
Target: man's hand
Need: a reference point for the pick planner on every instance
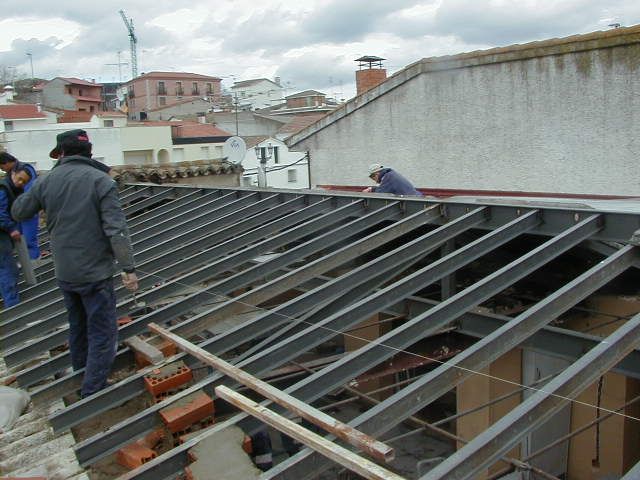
(368, 190)
(130, 281)
(15, 235)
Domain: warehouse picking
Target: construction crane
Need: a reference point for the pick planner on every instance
(133, 43)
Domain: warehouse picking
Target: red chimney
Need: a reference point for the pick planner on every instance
(370, 74)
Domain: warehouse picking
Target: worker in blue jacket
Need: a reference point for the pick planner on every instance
(29, 227)
(390, 181)
(10, 187)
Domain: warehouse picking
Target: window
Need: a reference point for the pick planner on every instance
(162, 90)
(209, 88)
(162, 100)
(70, 90)
(79, 92)
(8, 125)
(276, 157)
(91, 108)
(194, 88)
(131, 92)
(204, 153)
(292, 175)
(179, 89)
(108, 123)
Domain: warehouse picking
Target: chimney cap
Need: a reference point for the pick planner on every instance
(371, 60)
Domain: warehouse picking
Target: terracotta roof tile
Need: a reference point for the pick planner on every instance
(20, 111)
(77, 81)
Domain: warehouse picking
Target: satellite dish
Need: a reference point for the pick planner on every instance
(234, 149)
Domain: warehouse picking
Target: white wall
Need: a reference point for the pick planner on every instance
(567, 123)
(278, 175)
(261, 95)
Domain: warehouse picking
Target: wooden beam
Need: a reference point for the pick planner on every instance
(367, 444)
(338, 454)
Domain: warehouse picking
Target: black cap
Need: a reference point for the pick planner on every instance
(68, 138)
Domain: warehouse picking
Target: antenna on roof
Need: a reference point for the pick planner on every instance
(133, 43)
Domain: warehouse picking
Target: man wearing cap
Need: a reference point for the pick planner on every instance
(390, 181)
(88, 231)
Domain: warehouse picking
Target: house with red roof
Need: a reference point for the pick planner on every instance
(23, 117)
(155, 90)
(68, 93)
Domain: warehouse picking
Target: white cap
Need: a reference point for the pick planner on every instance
(374, 168)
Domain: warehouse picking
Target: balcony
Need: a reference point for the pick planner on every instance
(179, 92)
(162, 90)
(195, 92)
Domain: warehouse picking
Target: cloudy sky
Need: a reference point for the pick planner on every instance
(308, 43)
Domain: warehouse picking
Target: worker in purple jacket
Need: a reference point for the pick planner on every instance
(390, 181)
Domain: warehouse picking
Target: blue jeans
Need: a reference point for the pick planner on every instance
(8, 272)
(93, 330)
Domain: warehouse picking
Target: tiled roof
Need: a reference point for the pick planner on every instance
(185, 129)
(75, 116)
(252, 141)
(77, 81)
(299, 122)
(255, 81)
(306, 93)
(176, 75)
(172, 172)
(20, 111)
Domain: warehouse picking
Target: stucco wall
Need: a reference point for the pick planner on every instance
(565, 123)
(34, 146)
(54, 94)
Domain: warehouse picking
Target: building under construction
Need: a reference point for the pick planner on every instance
(459, 338)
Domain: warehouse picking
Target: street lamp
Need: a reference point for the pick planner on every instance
(263, 155)
(30, 55)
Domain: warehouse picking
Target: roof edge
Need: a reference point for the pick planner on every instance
(543, 48)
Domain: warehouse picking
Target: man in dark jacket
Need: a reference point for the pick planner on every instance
(88, 231)
(390, 181)
(28, 227)
(10, 187)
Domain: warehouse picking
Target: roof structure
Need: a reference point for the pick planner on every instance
(306, 93)
(555, 46)
(265, 278)
(174, 75)
(255, 81)
(172, 172)
(20, 112)
(78, 81)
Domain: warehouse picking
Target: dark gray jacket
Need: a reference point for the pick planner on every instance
(86, 224)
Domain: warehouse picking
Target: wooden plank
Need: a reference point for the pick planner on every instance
(149, 352)
(367, 444)
(338, 454)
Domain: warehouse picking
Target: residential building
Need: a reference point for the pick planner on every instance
(186, 108)
(284, 169)
(72, 94)
(552, 117)
(21, 117)
(155, 90)
(308, 102)
(257, 93)
(110, 95)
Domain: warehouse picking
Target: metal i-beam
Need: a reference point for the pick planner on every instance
(433, 319)
(148, 202)
(227, 228)
(29, 376)
(88, 451)
(143, 192)
(436, 383)
(176, 208)
(540, 407)
(256, 327)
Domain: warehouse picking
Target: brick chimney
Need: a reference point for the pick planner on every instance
(370, 73)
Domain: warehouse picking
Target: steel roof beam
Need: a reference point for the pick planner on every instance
(296, 306)
(147, 202)
(499, 438)
(29, 376)
(87, 451)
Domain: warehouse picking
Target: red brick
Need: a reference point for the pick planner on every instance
(247, 446)
(187, 411)
(134, 455)
(169, 377)
(124, 320)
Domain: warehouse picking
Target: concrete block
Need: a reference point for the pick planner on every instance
(167, 348)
